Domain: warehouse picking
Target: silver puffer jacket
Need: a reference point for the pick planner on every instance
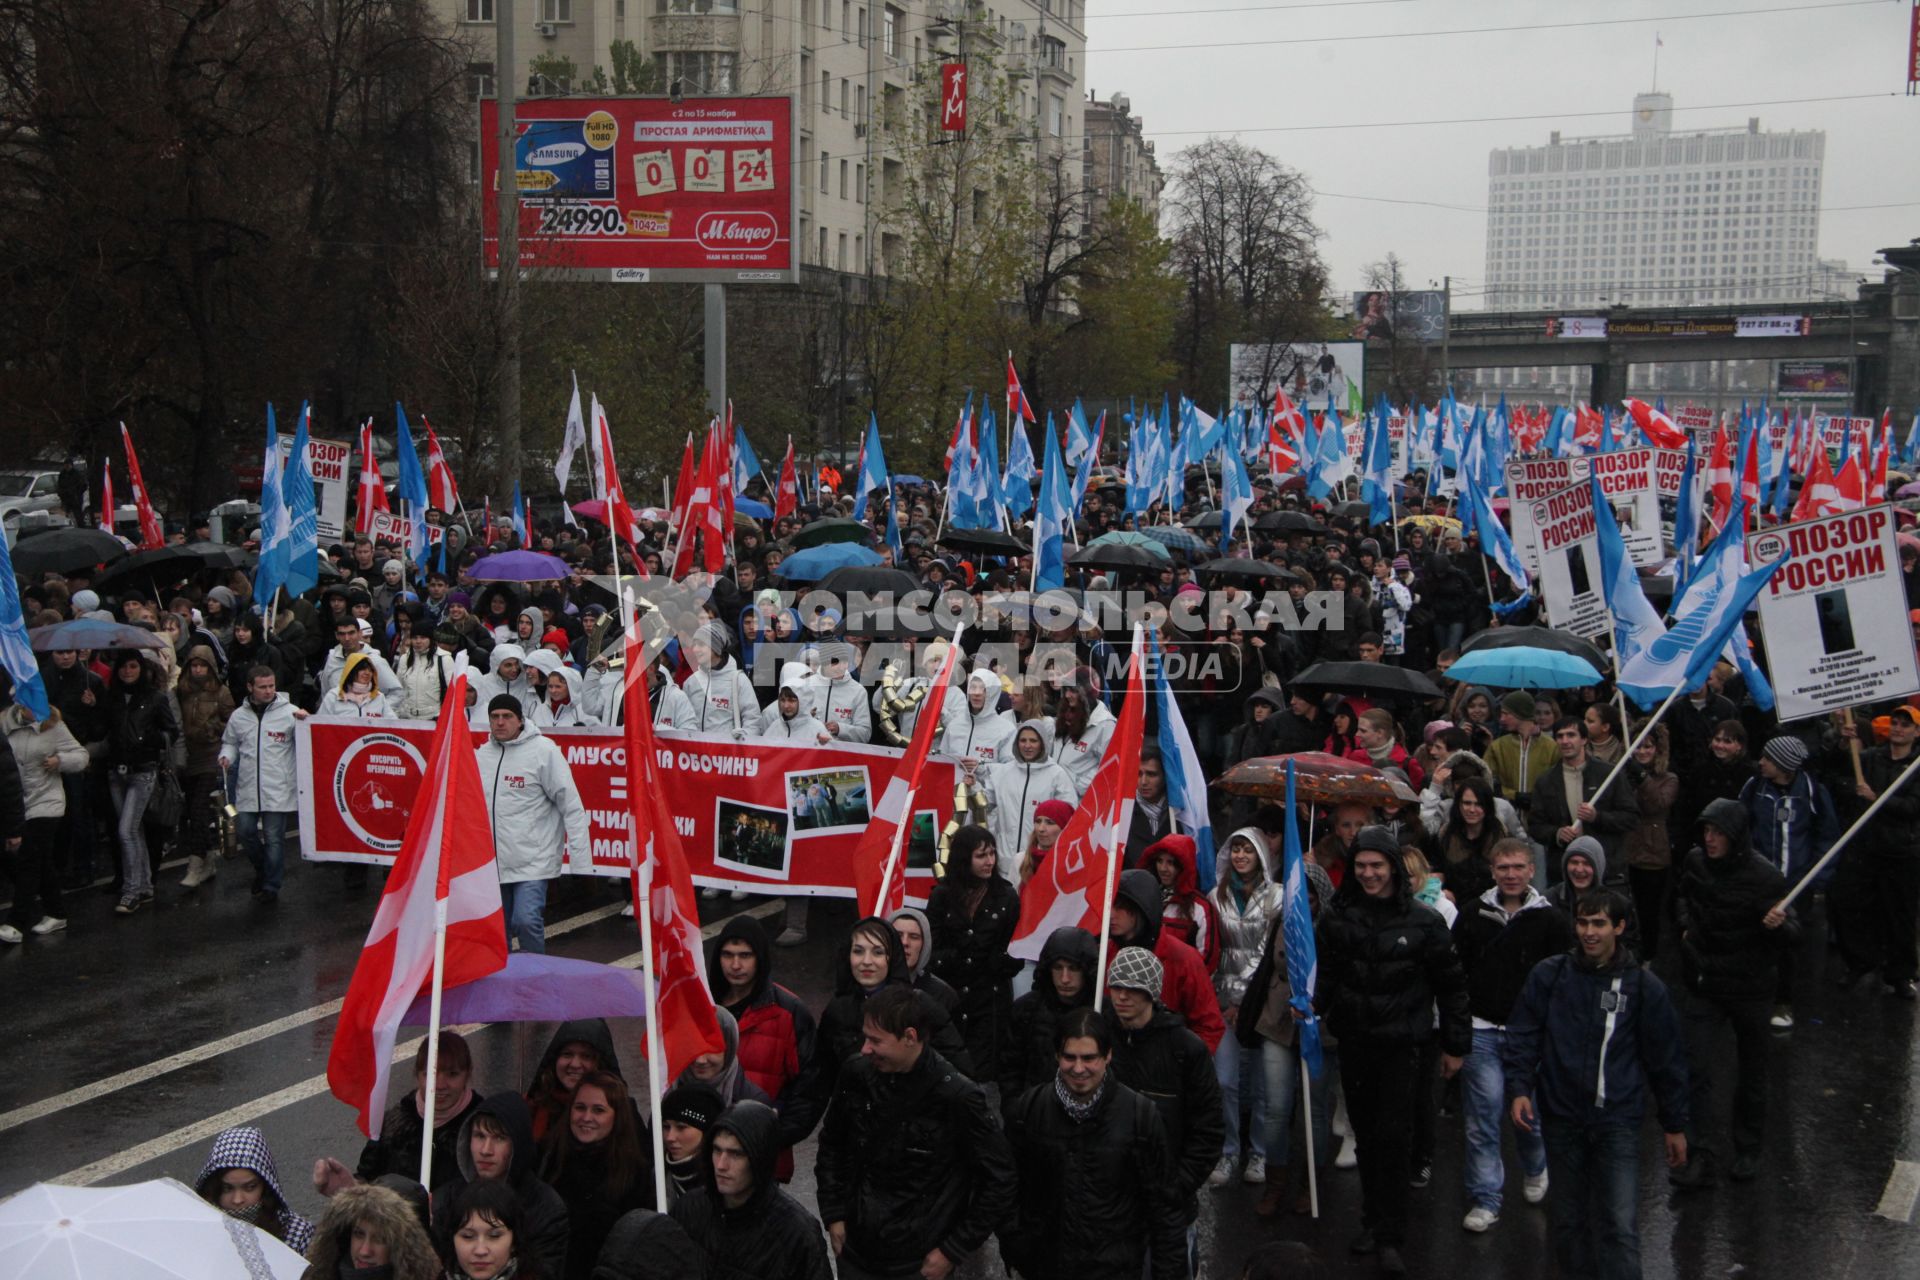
(1243, 929)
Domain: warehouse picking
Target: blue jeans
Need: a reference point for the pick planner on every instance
(263, 836)
(1232, 1064)
(525, 904)
(130, 792)
(1483, 1097)
(1590, 1215)
(1280, 1064)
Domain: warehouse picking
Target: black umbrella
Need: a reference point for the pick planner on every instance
(869, 579)
(1288, 522)
(1205, 520)
(1244, 569)
(836, 529)
(990, 542)
(1118, 556)
(1355, 511)
(1537, 638)
(66, 550)
(1366, 677)
(168, 565)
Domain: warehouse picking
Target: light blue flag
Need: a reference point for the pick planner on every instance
(1499, 447)
(1559, 433)
(16, 652)
(276, 527)
(1636, 623)
(1186, 781)
(1236, 497)
(1494, 541)
(1910, 456)
(1296, 935)
(1079, 437)
(1051, 514)
(1017, 485)
(968, 494)
(873, 468)
(1330, 462)
(411, 487)
(519, 516)
(1686, 521)
(296, 489)
(1083, 470)
(989, 464)
(1376, 487)
(746, 465)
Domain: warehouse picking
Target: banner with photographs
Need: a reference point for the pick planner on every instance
(1569, 575)
(1316, 376)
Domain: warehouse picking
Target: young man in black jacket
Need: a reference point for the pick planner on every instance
(1093, 1162)
(1385, 960)
(1062, 982)
(914, 1172)
(1501, 936)
(740, 1219)
(1876, 891)
(1732, 931)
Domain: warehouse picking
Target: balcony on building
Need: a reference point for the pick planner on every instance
(694, 26)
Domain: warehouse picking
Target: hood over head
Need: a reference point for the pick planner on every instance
(1731, 817)
(392, 1220)
(756, 1126)
(843, 983)
(569, 677)
(592, 1032)
(504, 651)
(1140, 889)
(1073, 943)
(919, 917)
(1380, 840)
(730, 1079)
(538, 620)
(1040, 727)
(243, 1147)
(645, 1245)
(1593, 851)
(793, 677)
(1266, 697)
(747, 929)
(1263, 853)
(509, 1110)
(1185, 854)
(354, 662)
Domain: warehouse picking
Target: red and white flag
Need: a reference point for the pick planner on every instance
(151, 534)
(442, 493)
(1283, 449)
(606, 482)
(953, 442)
(444, 879)
(1588, 423)
(1719, 476)
(373, 489)
(486, 520)
(720, 520)
(663, 887)
(683, 487)
(786, 498)
(1877, 477)
(105, 513)
(879, 864)
(1850, 486)
(1287, 417)
(1819, 495)
(1016, 398)
(1660, 430)
(1075, 882)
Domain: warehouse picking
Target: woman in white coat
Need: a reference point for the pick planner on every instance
(1015, 787)
(358, 692)
(44, 749)
(1246, 897)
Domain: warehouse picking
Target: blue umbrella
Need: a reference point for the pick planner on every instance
(815, 563)
(1523, 667)
(748, 507)
(539, 988)
(519, 566)
(90, 633)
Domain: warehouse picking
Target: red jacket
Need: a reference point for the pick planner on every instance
(1186, 989)
(1399, 759)
(776, 1039)
(1189, 915)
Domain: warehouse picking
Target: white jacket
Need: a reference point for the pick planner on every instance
(257, 745)
(388, 683)
(987, 737)
(490, 686)
(843, 703)
(1013, 789)
(801, 731)
(723, 699)
(423, 684)
(603, 692)
(378, 707)
(534, 806)
(40, 787)
(1080, 757)
(573, 712)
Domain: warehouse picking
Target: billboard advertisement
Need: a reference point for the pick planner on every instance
(1418, 316)
(1317, 376)
(1803, 379)
(634, 190)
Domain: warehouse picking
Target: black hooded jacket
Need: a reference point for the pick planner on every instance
(547, 1103)
(843, 1020)
(1385, 962)
(1170, 1065)
(771, 1236)
(397, 1149)
(970, 954)
(645, 1245)
(544, 1212)
(911, 1162)
(1096, 1195)
(1026, 1051)
(779, 1043)
(1726, 952)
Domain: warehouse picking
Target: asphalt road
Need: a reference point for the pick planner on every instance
(130, 1042)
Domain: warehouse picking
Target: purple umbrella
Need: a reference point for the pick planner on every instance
(1911, 490)
(536, 988)
(519, 566)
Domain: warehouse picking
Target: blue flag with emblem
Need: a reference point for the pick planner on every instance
(1686, 521)
(296, 489)
(16, 652)
(746, 465)
(1052, 513)
(1296, 935)
(873, 468)
(1017, 485)
(276, 526)
(1376, 487)
(1180, 764)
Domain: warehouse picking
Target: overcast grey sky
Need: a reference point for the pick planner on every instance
(1319, 74)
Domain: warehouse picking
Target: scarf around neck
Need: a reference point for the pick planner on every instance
(1077, 1111)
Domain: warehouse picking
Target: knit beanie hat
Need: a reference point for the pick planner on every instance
(1058, 810)
(1786, 751)
(1519, 702)
(1137, 969)
(505, 702)
(691, 1104)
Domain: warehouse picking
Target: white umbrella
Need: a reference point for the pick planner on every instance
(157, 1230)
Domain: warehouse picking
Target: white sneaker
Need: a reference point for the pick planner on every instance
(1348, 1157)
(1479, 1218)
(1255, 1174)
(11, 935)
(738, 895)
(49, 924)
(1782, 1019)
(627, 911)
(1221, 1172)
(1536, 1187)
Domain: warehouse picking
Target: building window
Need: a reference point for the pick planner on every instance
(863, 26)
(479, 80)
(479, 10)
(890, 31)
(1056, 115)
(710, 72)
(820, 258)
(824, 158)
(843, 96)
(843, 179)
(860, 184)
(696, 6)
(840, 253)
(826, 94)
(556, 11)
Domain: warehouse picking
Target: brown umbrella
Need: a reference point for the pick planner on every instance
(1318, 778)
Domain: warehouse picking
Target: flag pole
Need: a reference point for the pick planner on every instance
(1306, 1111)
(433, 1030)
(893, 857)
(1845, 836)
(1106, 923)
(656, 1055)
(1634, 745)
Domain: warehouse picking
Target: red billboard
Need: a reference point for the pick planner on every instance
(648, 189)
(953, 97)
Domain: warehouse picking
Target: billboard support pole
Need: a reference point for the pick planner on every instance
(716, 347)
(506, 92)
(1446, 332)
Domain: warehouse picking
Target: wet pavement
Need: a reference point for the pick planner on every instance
(130, 1042)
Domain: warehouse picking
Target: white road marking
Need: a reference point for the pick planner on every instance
(246, 1112)
(226, 1044)
(1901, 1193)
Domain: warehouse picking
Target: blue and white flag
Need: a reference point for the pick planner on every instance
(519, 516)
(1910, 456)
(967, 483)
(1686, 521)
(1559, 438)
(16, 652)
(1296, 935)
(1494, 541)
(276, 526)
(1053, 511)
(1636, 623)
(1017, 485)
(1376, 467)
(1330, 464)
(994, 514)
(745, 464)
(1236, 497)
(1089, 459)
(873, 468)
(1079, 437)
(1186, 781)
(411, 487)
(296, 489)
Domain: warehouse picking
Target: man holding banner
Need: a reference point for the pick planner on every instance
(1876, 894)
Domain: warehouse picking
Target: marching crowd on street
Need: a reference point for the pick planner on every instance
(1524, 943)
